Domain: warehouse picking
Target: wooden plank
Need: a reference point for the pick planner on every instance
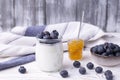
(6, 14)
(101, 17)
(0, 15)
(40, 12)
(111, 15)
(29, 12)
(19, 13)
(60, 11)
(118, 18)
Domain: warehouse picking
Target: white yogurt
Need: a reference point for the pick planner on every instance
(49, 57)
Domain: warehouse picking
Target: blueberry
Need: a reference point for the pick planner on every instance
(46, 33)
(105, 54)
(111, 46)
(116, 49)
(108, 72)
(101, 49)
(55, 32)
(111, 54)
(40, 35)
(90, 65)
(46, 36)
(109, 51)
(94, 49)
(22, 69)
(82, 70)
(117, 54)
(64, 73)
(109, 77)
(54, 36)
(99, 69)
(50, 37)
(114, 54)
(76, 64)
(106, 45)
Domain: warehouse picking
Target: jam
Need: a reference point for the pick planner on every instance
(75, 48)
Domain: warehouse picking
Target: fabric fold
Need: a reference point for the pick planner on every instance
(17, 61)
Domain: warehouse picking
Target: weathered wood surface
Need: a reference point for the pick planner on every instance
(29, 12)
(103, 13)
(60, 11)
(112, 15)
(6, 14)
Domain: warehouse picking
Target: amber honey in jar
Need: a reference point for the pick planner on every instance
(75, 48)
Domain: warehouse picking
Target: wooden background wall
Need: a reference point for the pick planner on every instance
(103, 13)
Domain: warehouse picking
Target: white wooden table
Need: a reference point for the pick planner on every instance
(33, 72)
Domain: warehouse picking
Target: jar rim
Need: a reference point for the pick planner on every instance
(49, 41)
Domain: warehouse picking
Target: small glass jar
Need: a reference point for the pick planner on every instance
(49, 54)
(75, 49)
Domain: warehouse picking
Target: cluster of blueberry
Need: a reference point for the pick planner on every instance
(82, 70)
(49, 38)
(106, 49)
(47, 35)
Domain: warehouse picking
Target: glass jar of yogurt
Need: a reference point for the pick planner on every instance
(49, 54)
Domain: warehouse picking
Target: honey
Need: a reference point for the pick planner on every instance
(75, 48)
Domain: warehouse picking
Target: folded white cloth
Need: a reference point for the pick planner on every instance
(20, 30)
(14, 43)
(15, 50)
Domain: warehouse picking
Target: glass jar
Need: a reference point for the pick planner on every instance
(75, 49)
(49, 54)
